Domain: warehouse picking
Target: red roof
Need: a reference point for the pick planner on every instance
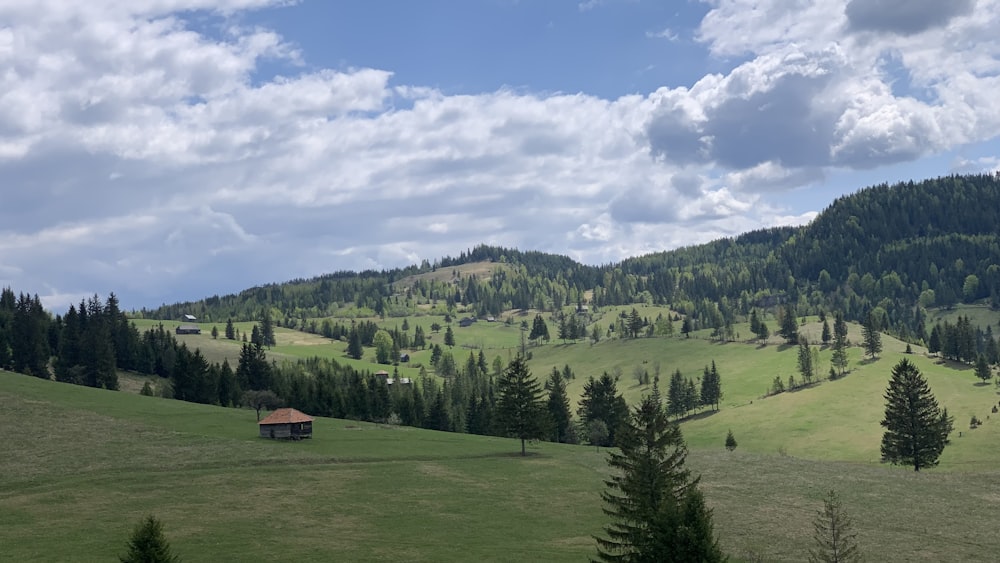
(286, 416)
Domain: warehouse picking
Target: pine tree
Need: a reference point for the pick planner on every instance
(354, 348)
(520, 407)
(805, 360)
(148, 544)
(230, 330)
(983, 370)
(267, 329)
(730, 441)
(825, 337)
(601, 401)
(656, 510)
(839, 357)
(789, 327)
(558, 406)
(871, 336)
(449, 337)
(916, 428)
(835, 543)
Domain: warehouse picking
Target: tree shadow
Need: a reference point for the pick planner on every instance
(698, 416)
(868, 361)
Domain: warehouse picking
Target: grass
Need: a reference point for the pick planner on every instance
(97, 461)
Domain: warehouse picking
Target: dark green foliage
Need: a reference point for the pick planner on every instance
(835, 542)
(805, 360)
(354, 347)
(657, 513)
(261, 400)
(449, 337)
(789, 327)
(839, 356)
(983, 370)
(826, 335)
(711, 387)
(871, 337)
(520, 407)
(539, 329)
(557, 406)
(916, 428)
(230, 330)
(148, 544)
(730, 441)
(601, 401)
(682, 395)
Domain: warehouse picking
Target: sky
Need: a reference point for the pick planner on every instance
(170, 150)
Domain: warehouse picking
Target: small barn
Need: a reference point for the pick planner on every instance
(404, 357)
(188, 329)
(466, 322)
(190, 318)
(286, 423)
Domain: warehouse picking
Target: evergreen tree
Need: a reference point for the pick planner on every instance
(601, 401)
(634, 323)
(871, 336)
(558, 406)
(839, 357)
(449, 336)
(686, 327)
(148, 544)
(711, 387)
(730, 441)
(916, 428)
(983, 370)
(539, 329)
(805, 360)
(354, 348)
(419, 339)
(825, 337)
(835, 543)
(656, 510)
(520, 407)
(267, 328)
(230, 330)
(789, 327)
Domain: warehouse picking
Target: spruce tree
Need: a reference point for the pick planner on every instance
(825, 337)
(148, 544)
(789, 326)
(230, 330)
(805, 360)
(558, 406)
(839, 357)
(835, 543)
(520, 407)
(916, 427)
(656, 510)
(730, 441)
(983, 370)
(871, 336)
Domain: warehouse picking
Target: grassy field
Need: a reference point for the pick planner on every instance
(94, 462)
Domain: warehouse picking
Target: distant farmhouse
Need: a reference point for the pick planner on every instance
(190, 318)
(286, 423)
(466, 321)
(188, 329)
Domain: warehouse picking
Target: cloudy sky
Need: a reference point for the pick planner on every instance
(174, 149)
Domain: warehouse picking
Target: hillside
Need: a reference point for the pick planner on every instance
(932, 243)
(364, 492)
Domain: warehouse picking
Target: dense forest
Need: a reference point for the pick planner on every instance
(895, 249)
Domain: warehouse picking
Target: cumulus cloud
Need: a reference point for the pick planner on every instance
(145, 155)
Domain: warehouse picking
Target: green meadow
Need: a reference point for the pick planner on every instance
(82, 466)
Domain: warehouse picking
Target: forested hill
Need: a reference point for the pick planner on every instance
(931, 243)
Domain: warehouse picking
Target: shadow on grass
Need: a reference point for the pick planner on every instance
(697, 416)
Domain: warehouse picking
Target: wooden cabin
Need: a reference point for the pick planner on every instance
(286, 423)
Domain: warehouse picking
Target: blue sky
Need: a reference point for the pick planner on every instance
(174, 149)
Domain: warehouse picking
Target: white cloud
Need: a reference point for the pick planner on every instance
(151, 159)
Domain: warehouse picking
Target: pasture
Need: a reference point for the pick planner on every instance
(83, 465)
